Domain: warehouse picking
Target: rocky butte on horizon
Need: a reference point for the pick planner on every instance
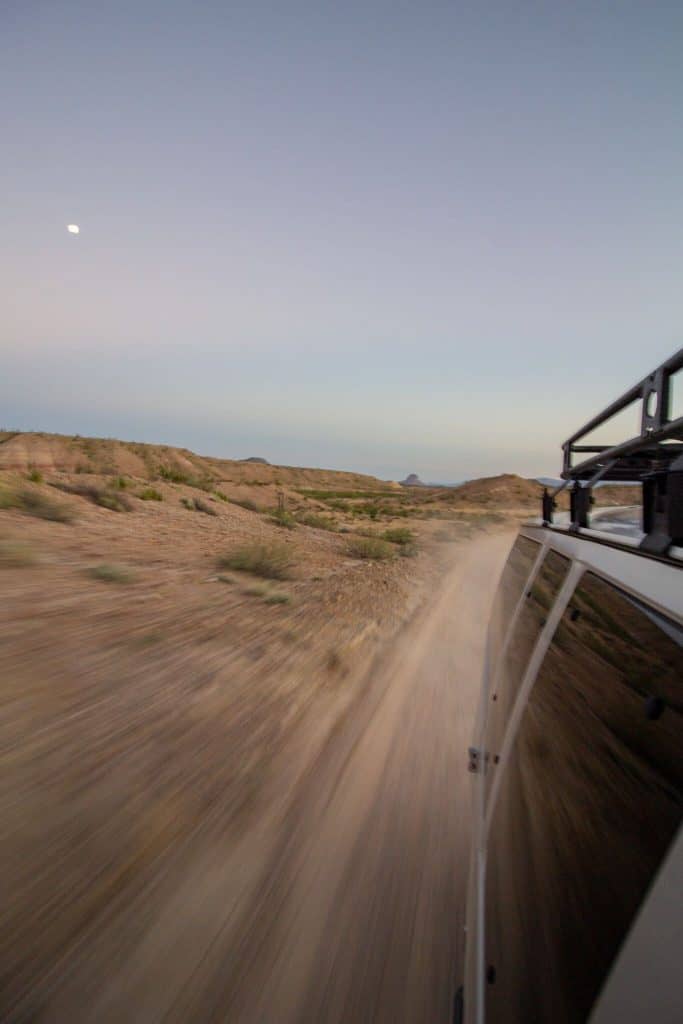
(412, 480)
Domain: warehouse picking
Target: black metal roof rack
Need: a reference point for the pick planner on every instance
(654, 458)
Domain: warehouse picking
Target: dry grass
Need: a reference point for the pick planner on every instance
(104, 497)
(281, 517)
(34, 503)
(370, 547)
(246, 503)
(203, 506)
(271, 561)
(399, 535)
(109, 573)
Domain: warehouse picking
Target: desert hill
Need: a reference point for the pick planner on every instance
(107, 456)
(510, 491)
(256, 479)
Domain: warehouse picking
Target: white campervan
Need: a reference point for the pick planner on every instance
(575, 904)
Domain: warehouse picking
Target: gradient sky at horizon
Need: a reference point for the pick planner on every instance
(389, 237)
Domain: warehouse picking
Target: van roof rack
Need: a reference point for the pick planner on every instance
(654, 458)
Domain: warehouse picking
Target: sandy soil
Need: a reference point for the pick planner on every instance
(214, 807)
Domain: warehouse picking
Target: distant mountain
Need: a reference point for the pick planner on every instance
(256, 458)
(412, 480)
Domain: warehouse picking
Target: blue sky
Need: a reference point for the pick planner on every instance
(388, 237)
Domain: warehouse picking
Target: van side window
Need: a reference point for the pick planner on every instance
(532, 618)
(589, 803)
(512, 582)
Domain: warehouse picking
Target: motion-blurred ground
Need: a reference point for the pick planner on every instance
(234, 789)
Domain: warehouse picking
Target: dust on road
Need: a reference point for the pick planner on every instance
(348, 904)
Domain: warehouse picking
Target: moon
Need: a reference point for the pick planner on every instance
(73, 229)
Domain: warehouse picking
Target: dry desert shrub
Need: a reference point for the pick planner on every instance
(34, 503)
(112, 573)
(271, 561)
(370, 547)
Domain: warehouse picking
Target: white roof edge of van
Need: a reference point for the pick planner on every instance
(620, 540)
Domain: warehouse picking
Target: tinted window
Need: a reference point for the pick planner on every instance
(588, 805)
(512, 582)
(532, 618)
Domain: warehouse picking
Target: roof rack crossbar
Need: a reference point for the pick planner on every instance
(654, 458)
(656, 426)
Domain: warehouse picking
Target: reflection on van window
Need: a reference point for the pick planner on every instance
(588, 806)
(512, 582)
(538, 602)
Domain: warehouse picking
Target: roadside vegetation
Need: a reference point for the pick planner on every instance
(245, 503)
(271, 561)
(370, 548)
(109, 573)
(176, 476)
(317, 521)
(198, 505)
(35, 503)
(105, 497)
(281, 517)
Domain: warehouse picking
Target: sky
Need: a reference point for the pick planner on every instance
(380, 236)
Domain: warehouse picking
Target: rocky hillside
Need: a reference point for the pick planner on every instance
(105, 456)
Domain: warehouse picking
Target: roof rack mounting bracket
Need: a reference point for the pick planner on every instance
(663, 509)
(653, 458)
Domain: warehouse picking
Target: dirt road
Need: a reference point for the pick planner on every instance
(348, 905)
(359, 913)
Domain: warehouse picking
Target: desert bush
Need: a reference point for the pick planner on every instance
(151, 494)
(221, 496)
(174, 476)
(112, 500)
(278, 599)
(246, 503)
(35, 476)
(36, 504)
(370, 547)
(399, 535)
(369, 509)
(201, 506)
(186, 503)
(256, 590)
(109, 573)
(318, 522)
(272, 561)
(120, 483)
(281, 517)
